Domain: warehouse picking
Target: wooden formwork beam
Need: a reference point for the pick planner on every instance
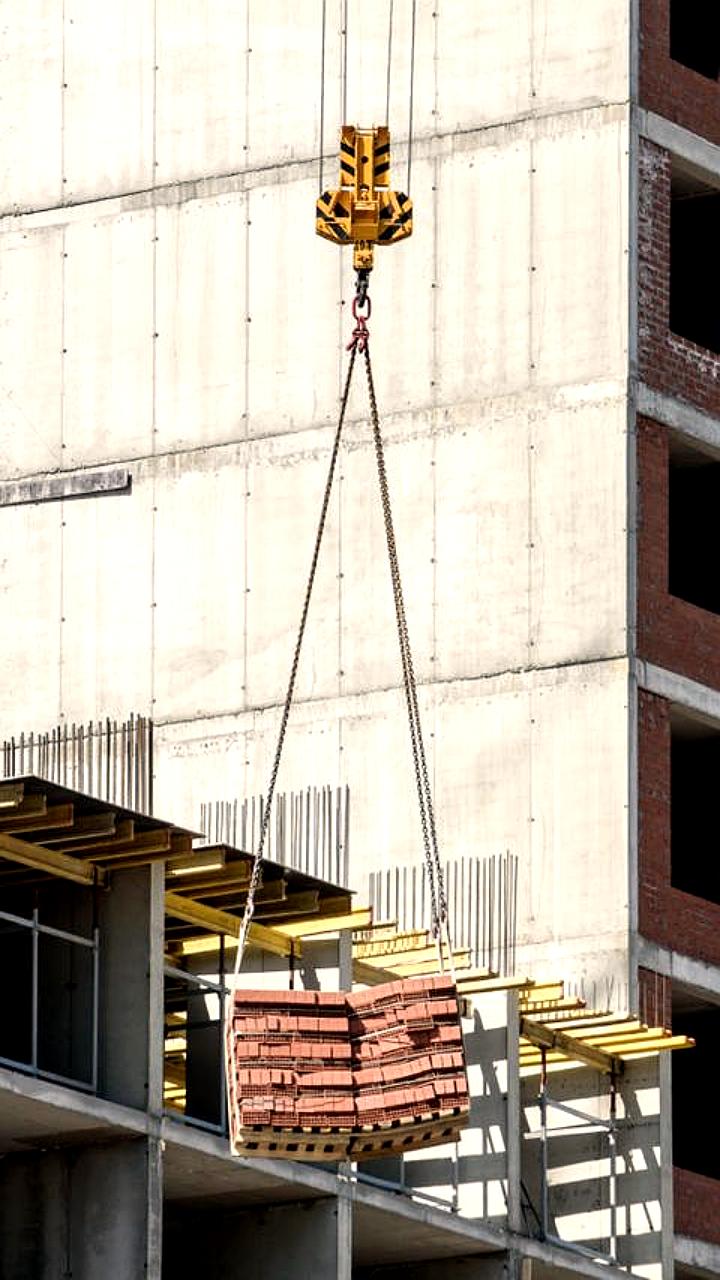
(51, 861)
(222, 922)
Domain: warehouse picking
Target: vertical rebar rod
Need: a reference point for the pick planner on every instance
(322, 94)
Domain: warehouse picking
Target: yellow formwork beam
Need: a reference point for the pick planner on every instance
(222, 922)
(51, 861)
(359, 918)
(421, 955)
(549, 1038)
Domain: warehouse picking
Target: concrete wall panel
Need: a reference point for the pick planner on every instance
(108, 338)
(484, 52)
(30, 351)
(580, 237)
(578, 541)
(293, 305)
(579, 797)
(378, 766)
(484, 290)
(284, 82)
(594, 69)
(367, 71)
(201, 104)
(106, 605)
(403, 291)
(30, 576)
(201, 322)
(482, 769)
(282, 516)
(482, 593)
(108, 102)
(198, 762)
(199, 575)
(370, 648)
(229, 757)
(31, 75)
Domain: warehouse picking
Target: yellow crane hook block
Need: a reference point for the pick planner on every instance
(364, 212)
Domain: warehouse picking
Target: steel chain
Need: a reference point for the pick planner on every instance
(436, 883)
(438, 903)
(256, 874)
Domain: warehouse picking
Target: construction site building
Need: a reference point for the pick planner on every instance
(547, 362)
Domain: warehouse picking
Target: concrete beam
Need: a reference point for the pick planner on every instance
(699, 1256)
(701, 156)
(696, 698)
(681, 417)
(57, 488)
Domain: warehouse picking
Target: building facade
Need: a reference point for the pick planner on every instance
(546, 358)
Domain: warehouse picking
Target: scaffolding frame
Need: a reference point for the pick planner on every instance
(585, 1122)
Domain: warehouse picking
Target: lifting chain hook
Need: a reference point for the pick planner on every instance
(361, 309)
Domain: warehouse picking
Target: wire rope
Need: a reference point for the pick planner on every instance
(389, 61)
(344, 61)
(322, 95)
(412, 92)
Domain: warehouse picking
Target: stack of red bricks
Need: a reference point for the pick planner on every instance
(292, 1059)
(407, 1051)
(312, 1060)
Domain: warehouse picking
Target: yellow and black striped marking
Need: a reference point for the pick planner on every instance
(363, 212)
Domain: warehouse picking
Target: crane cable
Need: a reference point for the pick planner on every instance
(359, 344)
(343, 76)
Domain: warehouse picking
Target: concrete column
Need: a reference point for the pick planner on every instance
(79, 1212)
(131, 988)
(311, 1238)
(132, 1038)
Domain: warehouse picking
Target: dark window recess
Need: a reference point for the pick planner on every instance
(694, 531)
(695, 267)
(694, 815)
(695, 35)
(694, 1080)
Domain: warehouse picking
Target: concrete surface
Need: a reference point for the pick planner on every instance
(166, 303)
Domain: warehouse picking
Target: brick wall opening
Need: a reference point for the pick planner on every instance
(694, 811)
(694, 262)
(694, 1079)
(693, 526)
(695, 36)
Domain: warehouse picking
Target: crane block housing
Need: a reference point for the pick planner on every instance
(364, 211)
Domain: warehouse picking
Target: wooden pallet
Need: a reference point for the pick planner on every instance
(370, 1141)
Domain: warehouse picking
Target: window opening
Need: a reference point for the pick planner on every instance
(695, 36)
(694, 1076)
(694, 263)
(194, 1078)
(694, 770)
(693, 528)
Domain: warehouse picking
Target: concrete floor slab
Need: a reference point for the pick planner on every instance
(36, 1113)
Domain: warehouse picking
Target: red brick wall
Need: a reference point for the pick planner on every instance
(696, 1205)
(655, 998)
(670, 632)
(667, 87)
(668, 916)
(667, 362)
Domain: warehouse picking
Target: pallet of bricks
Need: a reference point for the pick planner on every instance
(326, 1075)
